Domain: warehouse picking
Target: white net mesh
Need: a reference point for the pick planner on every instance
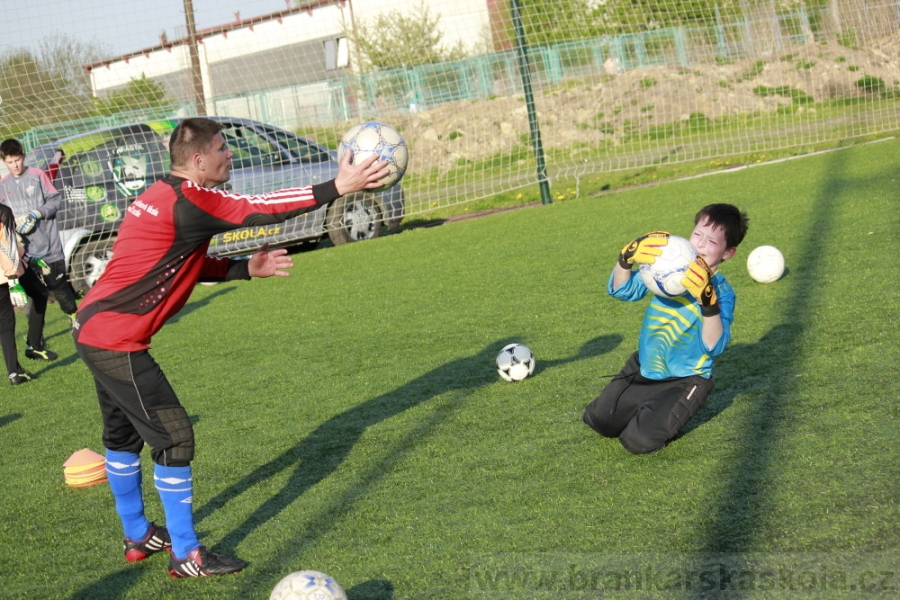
(616, 85)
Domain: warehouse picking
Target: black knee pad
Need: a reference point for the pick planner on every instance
(636, 443)
(178, 425)
(598, 425)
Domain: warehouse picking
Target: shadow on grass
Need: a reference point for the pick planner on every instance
(319, 454)
(743, 369)
(738, 518)
(200, 303)
(7, 419)
(376, 589)
(49, 337)
(112, 586)
(594, 347)
(46, 367)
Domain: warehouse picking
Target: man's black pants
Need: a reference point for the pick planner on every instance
(138, 405)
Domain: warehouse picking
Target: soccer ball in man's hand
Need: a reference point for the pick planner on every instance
(664, 276)
(308, 585)
(765, 264)
(515, 362)
(371, 138)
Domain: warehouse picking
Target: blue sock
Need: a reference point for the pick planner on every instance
(123, 469)
(176, 488)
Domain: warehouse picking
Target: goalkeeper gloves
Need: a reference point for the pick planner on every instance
(27, 223)
(644, 249)
(37, 263)
(697, 281)
(16, 293)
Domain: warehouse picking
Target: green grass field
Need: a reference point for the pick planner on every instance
(349, 419)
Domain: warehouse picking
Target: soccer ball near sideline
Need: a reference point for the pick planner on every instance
(664, 276)
(371, 138)
(765, 264)
(308, 585)
(515, 362)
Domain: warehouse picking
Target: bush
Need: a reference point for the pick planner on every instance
(871, 85)
(785, 91)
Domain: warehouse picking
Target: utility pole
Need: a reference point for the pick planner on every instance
(196, 76)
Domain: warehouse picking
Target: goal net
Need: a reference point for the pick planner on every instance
(476, 87)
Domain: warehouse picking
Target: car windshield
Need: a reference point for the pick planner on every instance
(300, 149)
(250, 148)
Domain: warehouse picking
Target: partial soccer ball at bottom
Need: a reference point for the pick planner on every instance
(373, 137)
(765, 264)
(308, 585)
(664, 276)
(515, 362)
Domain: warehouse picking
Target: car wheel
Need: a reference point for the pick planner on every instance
(89, 262)
(353, 218)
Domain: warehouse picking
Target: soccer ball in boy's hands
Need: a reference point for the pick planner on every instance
(373, 137)
(663, 277)
(765, 264)
(515, 362)
(308, 585)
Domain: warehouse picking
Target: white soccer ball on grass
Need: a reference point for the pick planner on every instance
(765, 264)
(308, 585)
(515, 362)
(664, 276)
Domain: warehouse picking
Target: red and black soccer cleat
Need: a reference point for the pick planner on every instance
(156, 540)
(203, 563)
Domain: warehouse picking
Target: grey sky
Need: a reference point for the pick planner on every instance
(122, 26)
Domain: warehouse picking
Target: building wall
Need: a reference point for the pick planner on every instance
(260, 70)
(276, 51)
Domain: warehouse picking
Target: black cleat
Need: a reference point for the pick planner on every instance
(156, 540)
(46, 354)
(22, 376)
(203, 563)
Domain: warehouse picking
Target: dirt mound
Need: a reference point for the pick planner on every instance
(603, 110)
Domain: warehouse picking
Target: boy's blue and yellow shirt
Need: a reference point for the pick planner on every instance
(670, 343)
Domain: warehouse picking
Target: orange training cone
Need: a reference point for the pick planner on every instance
(85, 467)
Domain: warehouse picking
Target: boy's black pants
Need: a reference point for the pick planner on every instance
(645, 414)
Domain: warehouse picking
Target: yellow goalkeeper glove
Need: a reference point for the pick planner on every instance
(644, 249)
(698, 282)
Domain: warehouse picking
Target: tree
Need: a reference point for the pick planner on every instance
(45, 88)
(139, 94)
(65, 58)
(33, 96)
(401, 39)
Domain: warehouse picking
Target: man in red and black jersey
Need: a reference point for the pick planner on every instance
(159, 256)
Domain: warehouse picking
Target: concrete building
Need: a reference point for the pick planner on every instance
(300, 48)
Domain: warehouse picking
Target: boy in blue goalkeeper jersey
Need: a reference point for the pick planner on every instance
(664, 384)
